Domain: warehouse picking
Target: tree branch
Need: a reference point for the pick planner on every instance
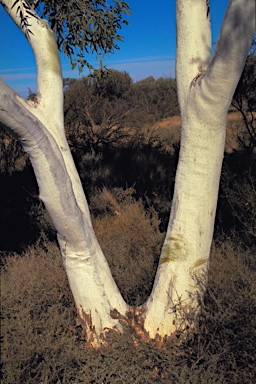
(43, 43)
(193, 35)
(231, 51)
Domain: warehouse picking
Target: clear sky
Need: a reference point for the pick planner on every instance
(148, 48)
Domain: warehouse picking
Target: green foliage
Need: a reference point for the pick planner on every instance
(116, 85)
(84, 26)
(24, 12)
(157, 98)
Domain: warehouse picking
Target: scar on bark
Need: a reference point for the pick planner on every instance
(132, 324)
(200, 74)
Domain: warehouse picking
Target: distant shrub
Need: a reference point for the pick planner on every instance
(237, 202)
(131, 241)
(12, 156)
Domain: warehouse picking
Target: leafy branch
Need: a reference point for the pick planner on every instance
(83, 27)
(24, 12)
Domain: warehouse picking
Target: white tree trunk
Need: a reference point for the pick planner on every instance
(205, 86)
(205, 89)
(40, 128)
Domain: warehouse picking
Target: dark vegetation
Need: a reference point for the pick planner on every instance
(128, 171)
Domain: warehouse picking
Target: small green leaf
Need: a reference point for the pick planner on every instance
(14, 4)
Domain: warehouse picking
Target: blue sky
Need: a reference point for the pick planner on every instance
(148, 48)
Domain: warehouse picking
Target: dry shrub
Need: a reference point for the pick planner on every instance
(39, 344)
(239, 193)
(220, 348)
(226, 331)
(130, 239)
(12, 156)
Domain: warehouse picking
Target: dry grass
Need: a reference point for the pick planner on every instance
(169, 131)
(38, 317)
(228, 321)
(41, 344)
(130, 239)
(235, 127)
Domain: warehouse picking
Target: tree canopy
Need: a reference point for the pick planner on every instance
(80, 26)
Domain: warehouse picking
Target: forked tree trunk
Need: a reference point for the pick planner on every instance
(205, 88)
(39, 126)
(206, 85)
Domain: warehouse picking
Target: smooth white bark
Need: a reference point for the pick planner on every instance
(205, 88)
(40, 128)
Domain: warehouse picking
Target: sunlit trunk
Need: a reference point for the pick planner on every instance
(39, 126)
(205, 88)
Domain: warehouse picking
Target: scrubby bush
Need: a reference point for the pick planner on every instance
(38, 319)
(226, 330)
(130, 239)
(42, 344)
(40, 340)
(237, 200)
(12, 156)
(244, 100)
(113, 109)
(156, 98)
(22, 214)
